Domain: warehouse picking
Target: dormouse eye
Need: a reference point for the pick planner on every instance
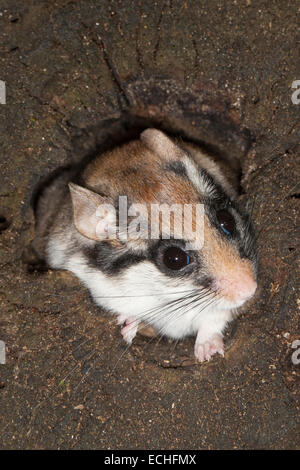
(226, 221)
(175, 258)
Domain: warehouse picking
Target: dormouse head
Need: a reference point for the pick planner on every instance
(210, 249)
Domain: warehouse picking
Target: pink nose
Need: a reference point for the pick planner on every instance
(238, 288)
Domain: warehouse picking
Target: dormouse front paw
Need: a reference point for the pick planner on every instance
(129, 329)
(204, 350)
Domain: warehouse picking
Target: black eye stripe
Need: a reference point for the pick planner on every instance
(107, 259)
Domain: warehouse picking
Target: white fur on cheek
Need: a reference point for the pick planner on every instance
(143, 292)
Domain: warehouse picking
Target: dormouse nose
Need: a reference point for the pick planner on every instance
(237, 287)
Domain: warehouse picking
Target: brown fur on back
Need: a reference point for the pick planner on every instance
(137, 172)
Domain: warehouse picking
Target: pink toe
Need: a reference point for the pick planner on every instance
(204, 351)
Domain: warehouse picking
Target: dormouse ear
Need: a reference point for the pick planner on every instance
(161, 144)
(94, 217)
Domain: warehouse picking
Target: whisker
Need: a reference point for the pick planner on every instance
(143, 295)
(172, 315)
(151, 313)
(75, 367)
(86, 373)
(118, 360)
(161, 333)
(173, 349)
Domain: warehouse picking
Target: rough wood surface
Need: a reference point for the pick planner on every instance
(78, 74)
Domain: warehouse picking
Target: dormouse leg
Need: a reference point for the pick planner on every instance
(207, 346)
